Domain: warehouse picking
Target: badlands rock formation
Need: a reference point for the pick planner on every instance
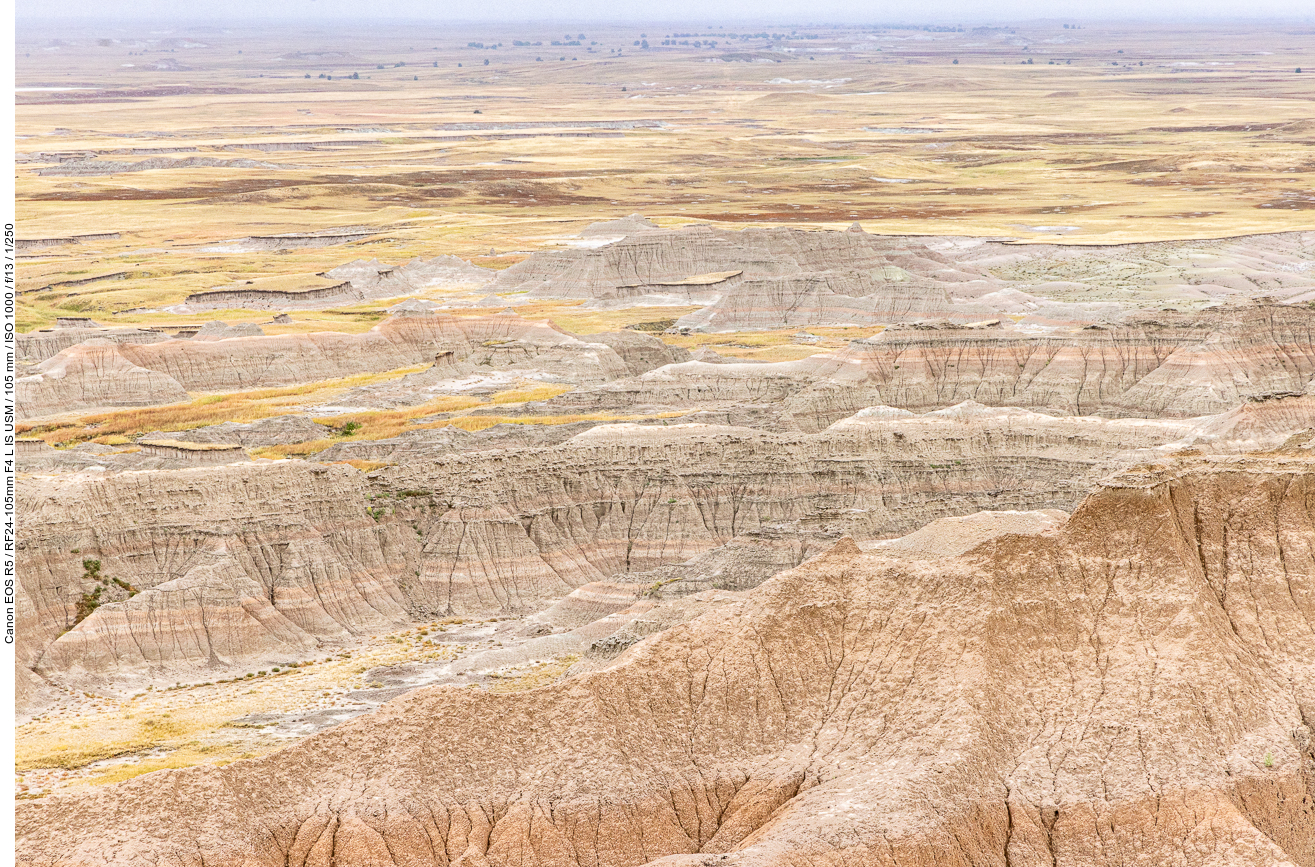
(356, 281)
(320, 553)
(383, 281)
(93, 374)
(1002, 684)
(1165, 364)
(216, 330)
(773, 278)
(265, 432)
(99, 373)
(886, 278)
(35, 347)
(1135, 687)
(243, 560)
(1173, 365)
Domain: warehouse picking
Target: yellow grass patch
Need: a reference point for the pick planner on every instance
(290, 450)
(185, 757)
(383, 424)
(535, 675)
(388, 423)
(497, 263)
(475, 423)
(75, 751)
(201, 723)
(366, 466)
(120, 426)
(191, 446)
(532, 393)
(774, 345)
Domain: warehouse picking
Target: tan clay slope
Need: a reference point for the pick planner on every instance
(36, 346)
(238, 562)
(253, 362)
(93, 374)
(258, 561)
(1157, 365)
(772, 278)
(356, 281)
(100, 373)
(1134, 688)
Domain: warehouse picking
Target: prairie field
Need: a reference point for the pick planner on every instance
(427, 141)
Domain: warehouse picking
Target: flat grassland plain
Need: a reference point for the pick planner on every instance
(149, 157)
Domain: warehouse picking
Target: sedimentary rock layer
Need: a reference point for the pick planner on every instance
(104, 374)
(1165, 364)
(703, 265)
(89, 375)
(1135, 687)
(356, 281)
(296, 539)
(253, 362)
(1173, 365)
(35, 347)
(333, 552)
(772, 278)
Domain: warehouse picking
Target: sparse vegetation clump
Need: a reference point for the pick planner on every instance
(91, 599)
(87, 603)
(533, 676)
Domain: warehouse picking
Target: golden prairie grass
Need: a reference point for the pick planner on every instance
(383, 423)
(292, 450)
(387, 423)
(194, 724)
(772, 345)
(367, 466)
(124, 736)
(827, 155)
(530, 393)
(119, 426)
(497, 263)
(183, 757)
(535, 675)
(472, 423)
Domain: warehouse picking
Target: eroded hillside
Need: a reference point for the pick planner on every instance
(1106, 691)
(850, 446)
(230, 502)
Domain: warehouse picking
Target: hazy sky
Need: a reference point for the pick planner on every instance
(688, 11)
